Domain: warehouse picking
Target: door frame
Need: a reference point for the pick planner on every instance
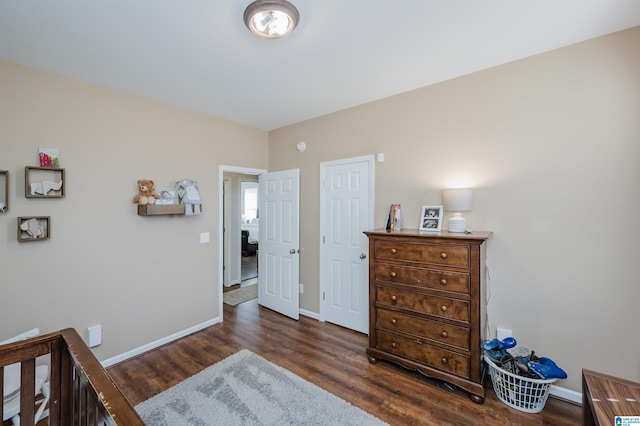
(323, 166)
(222, 169)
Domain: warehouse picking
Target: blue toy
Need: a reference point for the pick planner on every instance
(495, 344)
(546, 369)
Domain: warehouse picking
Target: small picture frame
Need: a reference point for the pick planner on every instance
(167, 196)
(34, 228)
(431, 218)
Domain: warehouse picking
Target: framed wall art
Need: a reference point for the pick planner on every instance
(431, 218)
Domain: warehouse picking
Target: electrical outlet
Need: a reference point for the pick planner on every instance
(94, 334)
(204, 237)
(301, 288)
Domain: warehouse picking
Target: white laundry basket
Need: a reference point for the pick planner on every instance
(522, 393)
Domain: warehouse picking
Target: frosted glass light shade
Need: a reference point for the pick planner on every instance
(271, 18)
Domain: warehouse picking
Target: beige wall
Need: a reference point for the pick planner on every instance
(142, 278)
(551, 146)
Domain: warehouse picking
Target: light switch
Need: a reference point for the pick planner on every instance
(204, 237)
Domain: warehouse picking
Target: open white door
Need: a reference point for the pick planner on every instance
(278, 256)
(346, 211)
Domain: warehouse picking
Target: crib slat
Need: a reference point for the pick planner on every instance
(2, 391)
(27, 392)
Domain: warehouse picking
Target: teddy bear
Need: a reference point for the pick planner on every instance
(146, 194)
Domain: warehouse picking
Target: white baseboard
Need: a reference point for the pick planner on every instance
(565, 393)
(149, 346)
(556, 391)
(156, 344)
(309, 314)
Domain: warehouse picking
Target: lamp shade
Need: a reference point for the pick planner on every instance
(457, 199)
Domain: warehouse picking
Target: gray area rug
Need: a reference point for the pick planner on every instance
(245, 389)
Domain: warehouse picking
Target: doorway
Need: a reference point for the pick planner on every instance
(278, 273)
(238, 211)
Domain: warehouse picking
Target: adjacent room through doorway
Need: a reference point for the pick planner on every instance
(240, 229)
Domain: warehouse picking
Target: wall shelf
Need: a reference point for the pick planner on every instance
(4, 191)
(44, 182)
(34, 228)
(160, 209)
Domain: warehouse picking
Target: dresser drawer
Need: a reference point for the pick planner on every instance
(436, 254)
(422, 352)
(424, 328)
(423, 303)
(430, 278)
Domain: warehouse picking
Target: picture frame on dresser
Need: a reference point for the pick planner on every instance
(431, 218)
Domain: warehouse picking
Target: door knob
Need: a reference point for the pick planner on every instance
(363, 256)
(292, 251)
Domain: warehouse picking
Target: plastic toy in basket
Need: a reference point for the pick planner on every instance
(495, 344)
(545, 368)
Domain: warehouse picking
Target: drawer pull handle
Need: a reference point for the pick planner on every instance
(394, 321)
(444, 334)
(444, 359)
(443, 255)
(393, 251)
(443, 281)
(393, 275)
(394, 344)
(394, 298)
(444, 308)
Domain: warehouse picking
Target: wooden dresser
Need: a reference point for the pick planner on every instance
(427, 304)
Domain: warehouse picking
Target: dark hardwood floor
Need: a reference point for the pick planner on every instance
(333, 358)
(248, 274)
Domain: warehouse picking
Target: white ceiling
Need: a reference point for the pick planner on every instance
(198, 54)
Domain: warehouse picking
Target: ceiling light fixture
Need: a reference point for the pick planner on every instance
(271, 18)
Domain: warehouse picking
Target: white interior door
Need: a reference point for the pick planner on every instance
(346, 211)
(279, 261)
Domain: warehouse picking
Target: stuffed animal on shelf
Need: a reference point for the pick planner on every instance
(189, 196)
(146, 194)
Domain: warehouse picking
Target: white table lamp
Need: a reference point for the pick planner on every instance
(457, 200)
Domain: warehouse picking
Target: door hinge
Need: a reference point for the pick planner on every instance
(323, 293)
(324, 241)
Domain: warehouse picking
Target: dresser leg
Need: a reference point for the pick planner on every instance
(373, 360)
(477, 399)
